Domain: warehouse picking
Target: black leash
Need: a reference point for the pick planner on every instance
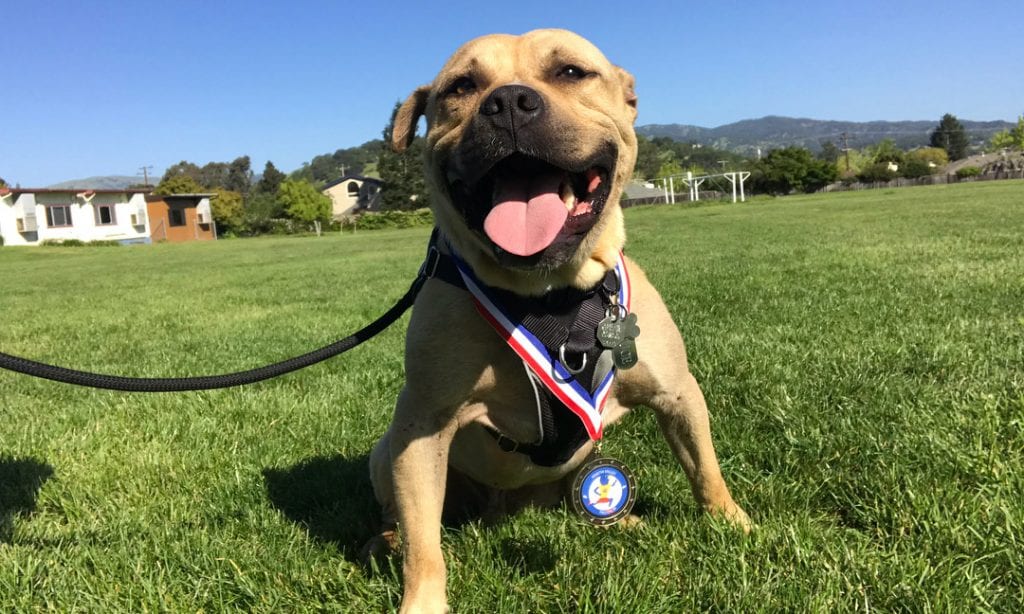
(227, 380)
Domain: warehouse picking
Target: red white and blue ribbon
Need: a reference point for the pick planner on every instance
(585, 404)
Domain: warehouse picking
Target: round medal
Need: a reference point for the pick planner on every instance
(604, 491)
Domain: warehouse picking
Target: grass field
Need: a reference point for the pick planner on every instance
(862, 355)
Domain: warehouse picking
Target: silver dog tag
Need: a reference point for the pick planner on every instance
(624, 355)
(618, 335)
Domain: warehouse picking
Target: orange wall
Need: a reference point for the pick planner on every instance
(160, 223)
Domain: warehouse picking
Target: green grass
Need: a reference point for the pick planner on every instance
(862, 355)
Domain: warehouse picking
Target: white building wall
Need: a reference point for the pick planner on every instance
(85, 226)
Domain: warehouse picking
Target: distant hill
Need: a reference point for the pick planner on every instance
(772, 132)
(107, 182)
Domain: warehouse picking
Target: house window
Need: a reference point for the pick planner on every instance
(58, 215)
(353, 188)
(177, 217)
(105, 215)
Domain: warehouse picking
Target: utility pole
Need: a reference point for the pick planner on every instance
(846, 149)
(145, 174)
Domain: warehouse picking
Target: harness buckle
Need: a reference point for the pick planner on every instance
(429, 267)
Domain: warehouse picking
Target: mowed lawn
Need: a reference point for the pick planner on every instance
(862, 355)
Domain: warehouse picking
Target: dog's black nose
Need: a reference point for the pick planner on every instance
(512, 106)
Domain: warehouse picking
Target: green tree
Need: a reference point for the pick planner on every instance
(3, 184)
(239, 177)
(228, 210)
(403, 186)
(304, 202)
(951, 136)
(178, 184)
(829, 152)
(1009, 139)
(886, 151)
(271, 179)
(792, 169)
(923, 161)
(214, 175)
(670, 167)
(182, 169)
(260, 209)
(648, 160)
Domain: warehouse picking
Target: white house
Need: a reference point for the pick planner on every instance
(31, 216)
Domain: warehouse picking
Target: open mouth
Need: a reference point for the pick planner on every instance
(527, 207)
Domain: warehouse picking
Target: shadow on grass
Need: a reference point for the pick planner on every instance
(330, 497)
(20, 481)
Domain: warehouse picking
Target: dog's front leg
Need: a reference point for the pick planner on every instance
(683, 416)
(420, 439)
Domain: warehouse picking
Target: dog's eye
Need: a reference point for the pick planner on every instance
(571, 72)
(461, 87)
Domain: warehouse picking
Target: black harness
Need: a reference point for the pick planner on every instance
(565, 322)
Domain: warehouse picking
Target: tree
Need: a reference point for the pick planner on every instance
(951, 136)
(260, 209)
(304, 202)
(227, 210)
(182, 169)
(271, 179)
(829, 152)
(178, 184)
(401, 173)
(239, 177)
(792, 169)
(886, 151)
(1009, 139)
(647, 159)
(214, 175)
(669, 168)
(3, 184)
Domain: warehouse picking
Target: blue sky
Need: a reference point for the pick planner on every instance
(103, 88)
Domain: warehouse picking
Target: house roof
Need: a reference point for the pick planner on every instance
(5, 191)
(639, 190)
(362, 178)
(190, 196)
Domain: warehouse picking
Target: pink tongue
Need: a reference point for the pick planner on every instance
(528, 214)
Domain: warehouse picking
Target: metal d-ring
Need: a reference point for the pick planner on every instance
(561, 359)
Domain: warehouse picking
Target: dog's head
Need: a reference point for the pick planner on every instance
(529, 143)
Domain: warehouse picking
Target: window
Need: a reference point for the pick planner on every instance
(353, 188)
(177, 216)
(58, 215)
(105, 215)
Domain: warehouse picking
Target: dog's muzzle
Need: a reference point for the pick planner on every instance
(515, 183)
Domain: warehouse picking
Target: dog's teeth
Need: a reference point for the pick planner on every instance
(567, 195)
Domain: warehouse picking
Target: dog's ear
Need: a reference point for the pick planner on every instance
(403, 128)
(628, 88)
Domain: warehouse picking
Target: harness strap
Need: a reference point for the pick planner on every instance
(566, 318)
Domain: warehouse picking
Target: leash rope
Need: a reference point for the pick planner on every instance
(227, 380)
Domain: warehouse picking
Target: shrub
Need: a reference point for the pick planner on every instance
(393, 219)
(78, 243)
(968, 172)
(876, 172)
(914, 167)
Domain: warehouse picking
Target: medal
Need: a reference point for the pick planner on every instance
(604, 491)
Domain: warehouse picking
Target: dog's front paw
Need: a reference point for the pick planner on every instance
(380, 546)
(734, 515)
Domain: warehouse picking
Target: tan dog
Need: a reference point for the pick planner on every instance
(520, 119)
